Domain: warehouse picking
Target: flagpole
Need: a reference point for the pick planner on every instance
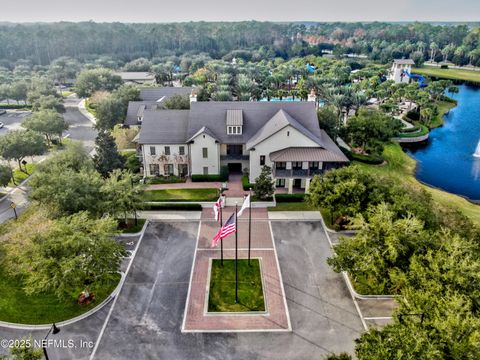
(221, 224)
(249, 224)
(236, 254)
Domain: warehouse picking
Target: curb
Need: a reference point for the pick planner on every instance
(127, 235)
(70, 321)
(83, 110)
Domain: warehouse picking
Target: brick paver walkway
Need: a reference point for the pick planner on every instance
(276, 318)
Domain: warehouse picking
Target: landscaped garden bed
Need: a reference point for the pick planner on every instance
(130, 227)
(222, 286)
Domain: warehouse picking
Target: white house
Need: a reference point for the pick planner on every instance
(242, 136)
(401, 70)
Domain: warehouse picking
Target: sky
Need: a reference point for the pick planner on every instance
(225, 10)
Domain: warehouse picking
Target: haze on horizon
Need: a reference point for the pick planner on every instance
(223, 10)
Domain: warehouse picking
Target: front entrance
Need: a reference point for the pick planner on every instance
(235, 168)
(297, 183)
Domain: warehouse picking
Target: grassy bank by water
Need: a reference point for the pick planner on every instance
(402, 167)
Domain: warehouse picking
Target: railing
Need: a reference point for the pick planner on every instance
(235, 157)
(288, 173)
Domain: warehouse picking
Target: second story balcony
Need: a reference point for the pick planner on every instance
(235, 157)
(298, 173)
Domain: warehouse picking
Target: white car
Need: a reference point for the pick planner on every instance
(1, 125)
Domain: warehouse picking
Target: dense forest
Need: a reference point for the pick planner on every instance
(41, 43)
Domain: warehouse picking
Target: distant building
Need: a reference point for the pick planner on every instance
(401, 70)
(137, 77)
(153, 99)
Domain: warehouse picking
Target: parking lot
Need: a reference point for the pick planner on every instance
(145, 322)
(12, 120)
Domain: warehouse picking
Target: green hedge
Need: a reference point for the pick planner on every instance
(15, 106)
(246, 183)
(185, 207)
(424, 131)
(165, 180)
(204, 178)
(289, 198)
(372, 159)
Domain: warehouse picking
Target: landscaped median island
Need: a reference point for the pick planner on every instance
(222, 286)
(187, 195)
(37, 253)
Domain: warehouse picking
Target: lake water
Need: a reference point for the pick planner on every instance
(447, 161)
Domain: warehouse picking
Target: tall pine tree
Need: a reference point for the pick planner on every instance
(107, 157)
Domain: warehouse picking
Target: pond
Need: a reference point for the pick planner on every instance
(447, 161)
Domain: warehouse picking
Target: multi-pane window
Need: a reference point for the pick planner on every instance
(280, 165)
(153, 150)
(181, 150)
(154, 169)
(205, 170)
(262, 160)
(167, 150)
(280, 182)
(205, 152)
(296, 165)
(313, 165)
(168, 169)
(234, 130)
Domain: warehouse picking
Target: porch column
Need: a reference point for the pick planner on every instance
(307, 185)
(290, 185)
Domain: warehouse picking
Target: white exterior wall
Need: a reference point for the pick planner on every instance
(196, 153)
(278, 141)
(396, 71)
(161, 159)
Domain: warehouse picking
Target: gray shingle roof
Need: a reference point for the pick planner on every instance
(404, 61)
(306, 154)
(154, 94)
(136, 75)
(280, 120)
(169, 128)
(134, 109)
(212, 114)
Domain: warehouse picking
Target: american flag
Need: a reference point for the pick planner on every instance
(227, 229)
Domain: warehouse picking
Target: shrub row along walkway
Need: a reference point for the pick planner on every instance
(276, 318)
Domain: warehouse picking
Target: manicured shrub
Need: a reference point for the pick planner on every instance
(372, 159)
(246, 183)
(224, 173)
(205, 178)
(289, 198)
(15, 106)
(184, 207)
(165, 180)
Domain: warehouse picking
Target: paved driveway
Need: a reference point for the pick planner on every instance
(145, 322)
(80, 127)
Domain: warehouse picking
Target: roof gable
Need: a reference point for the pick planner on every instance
(279, 121)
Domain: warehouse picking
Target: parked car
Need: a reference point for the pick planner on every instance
(1, 125)
(3, 111)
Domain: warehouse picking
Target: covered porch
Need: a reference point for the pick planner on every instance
(293, 168)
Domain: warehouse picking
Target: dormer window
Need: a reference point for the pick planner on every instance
(234, 122)
(234, 130)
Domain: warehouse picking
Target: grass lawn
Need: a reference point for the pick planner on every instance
(453, 74)
(292, 206)
(402, 167)
(19, 176)
(131, 228)
(222, 287)
(66, 93)
(18, 307)
(209, 194)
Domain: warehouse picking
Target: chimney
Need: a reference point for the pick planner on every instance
(193, 96)
(312, 96)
